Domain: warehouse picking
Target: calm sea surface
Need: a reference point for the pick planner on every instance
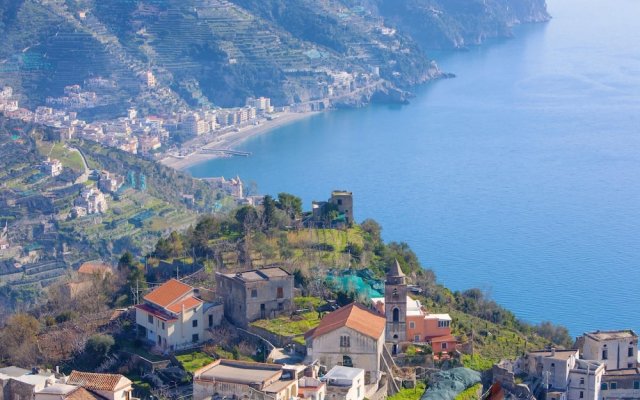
(521, 176)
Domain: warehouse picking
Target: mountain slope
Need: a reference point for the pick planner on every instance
(218, 52)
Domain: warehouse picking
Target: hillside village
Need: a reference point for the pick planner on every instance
(269, 328)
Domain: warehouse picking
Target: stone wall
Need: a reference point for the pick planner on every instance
(502, 373)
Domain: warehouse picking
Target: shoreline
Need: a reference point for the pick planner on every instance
(230, 140)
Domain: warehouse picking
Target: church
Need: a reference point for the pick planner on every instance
(408, 321)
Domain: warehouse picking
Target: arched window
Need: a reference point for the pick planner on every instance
(396, 315)
(346, 361)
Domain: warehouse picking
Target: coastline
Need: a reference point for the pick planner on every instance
(230, 140)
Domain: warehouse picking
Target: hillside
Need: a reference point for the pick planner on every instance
(460, 23)
(218, 52)
(45, 236)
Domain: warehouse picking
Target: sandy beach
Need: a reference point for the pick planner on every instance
(230, 140)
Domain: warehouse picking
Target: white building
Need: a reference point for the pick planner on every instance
(93, 201)
(150, 79)
(351, 336)
(553, 366)
(345, 383)
(107, 386)
(4, 237)
(52, 167)
(311, 388)
(616, 349)
(585, 380)
(172, 317)
(6, 93)
(61, 391)
(565, 375)
(620, 384)
(240, 379)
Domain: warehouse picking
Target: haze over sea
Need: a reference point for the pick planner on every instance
(521, 176)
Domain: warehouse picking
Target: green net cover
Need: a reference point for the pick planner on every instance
(446, 385)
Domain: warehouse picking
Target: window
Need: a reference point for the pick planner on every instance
(395, 292)
(194, 323)
(630, 353)
(347, 362)
(195, 338)
(412, 325)
(280, 293)
(613, 385)
(210, 321)
(582, 381)
(396, 315)
(636, 385)
(605, 354)
(581, 394)
(444, 324)
(416, 338)
(604, 386)
(150, 319)
(163, 326)
(629, 365)
(339, 202)
(280, 306)
(254, 293)
(444, 345)
(345, 341)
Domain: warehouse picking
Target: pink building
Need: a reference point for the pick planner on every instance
(423, 327)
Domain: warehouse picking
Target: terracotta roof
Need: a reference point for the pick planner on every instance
(102, 382)
(95, 267)
(446, 338)
(168, 293)
(82, 394)
(353, 316)
(188, 303)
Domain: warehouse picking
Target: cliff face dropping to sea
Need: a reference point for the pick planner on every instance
(221, 51)
(460, 23)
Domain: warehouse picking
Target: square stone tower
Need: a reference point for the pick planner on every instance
(395, 305)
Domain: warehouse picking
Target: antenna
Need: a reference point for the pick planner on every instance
(546, 379)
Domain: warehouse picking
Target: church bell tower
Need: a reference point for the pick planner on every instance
(395, 304)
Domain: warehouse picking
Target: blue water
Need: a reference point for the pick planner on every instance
(520, 177)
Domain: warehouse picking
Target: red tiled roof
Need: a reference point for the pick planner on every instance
(82, 394)
(156, 313)
(93, 381)
(95, 267)
(168, 293)
(188, 303)
(353, 316)
(446, 338)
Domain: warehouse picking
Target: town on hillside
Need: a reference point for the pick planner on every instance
(261, 330)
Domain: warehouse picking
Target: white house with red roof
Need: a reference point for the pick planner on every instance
(106, 386)
(174, 317)
(352, 336)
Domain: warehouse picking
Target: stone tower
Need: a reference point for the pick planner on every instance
(395, 304)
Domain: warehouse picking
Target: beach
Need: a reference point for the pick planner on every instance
(229, 140)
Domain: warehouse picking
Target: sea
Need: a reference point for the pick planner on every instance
(521, 176)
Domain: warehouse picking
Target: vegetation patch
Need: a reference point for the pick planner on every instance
(285, 326)
(410, 394)
(472, 393)
(194, 360)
